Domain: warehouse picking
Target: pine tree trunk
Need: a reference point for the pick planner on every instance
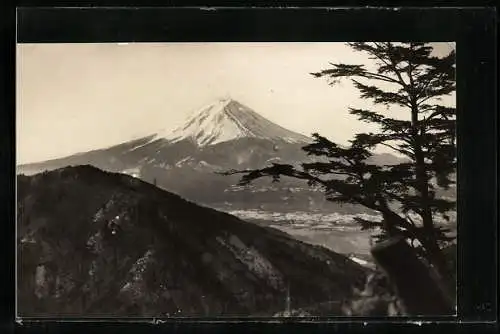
(420, 293)
(420, 167)
(421, 172)
(428, 241)
(437, 259)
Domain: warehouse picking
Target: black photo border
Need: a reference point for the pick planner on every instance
(474, 31)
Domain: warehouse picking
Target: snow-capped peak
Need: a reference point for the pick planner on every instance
(227, 119)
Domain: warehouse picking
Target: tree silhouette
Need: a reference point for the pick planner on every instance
(408, 80)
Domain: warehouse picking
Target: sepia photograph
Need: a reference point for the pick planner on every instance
(236, 179)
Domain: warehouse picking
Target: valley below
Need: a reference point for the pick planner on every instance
(335, 231)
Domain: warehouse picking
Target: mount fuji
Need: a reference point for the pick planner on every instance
(223, 135)
(227, 120)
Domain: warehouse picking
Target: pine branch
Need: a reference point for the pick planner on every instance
(344, 70)
(324, 147)
(379, 96)
(441, 111)
(370, 140)
(391, 63)
(352, 192)
(367, 224)
(331, 167)
(423, 91)
(399, 150)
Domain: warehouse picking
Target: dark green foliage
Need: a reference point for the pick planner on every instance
(410, 81)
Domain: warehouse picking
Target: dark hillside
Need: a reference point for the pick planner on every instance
(98, 243)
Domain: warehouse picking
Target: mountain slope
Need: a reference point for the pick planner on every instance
(102, 244)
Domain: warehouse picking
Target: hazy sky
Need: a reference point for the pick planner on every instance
(78, 97)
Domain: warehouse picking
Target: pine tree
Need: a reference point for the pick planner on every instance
(408, 80)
